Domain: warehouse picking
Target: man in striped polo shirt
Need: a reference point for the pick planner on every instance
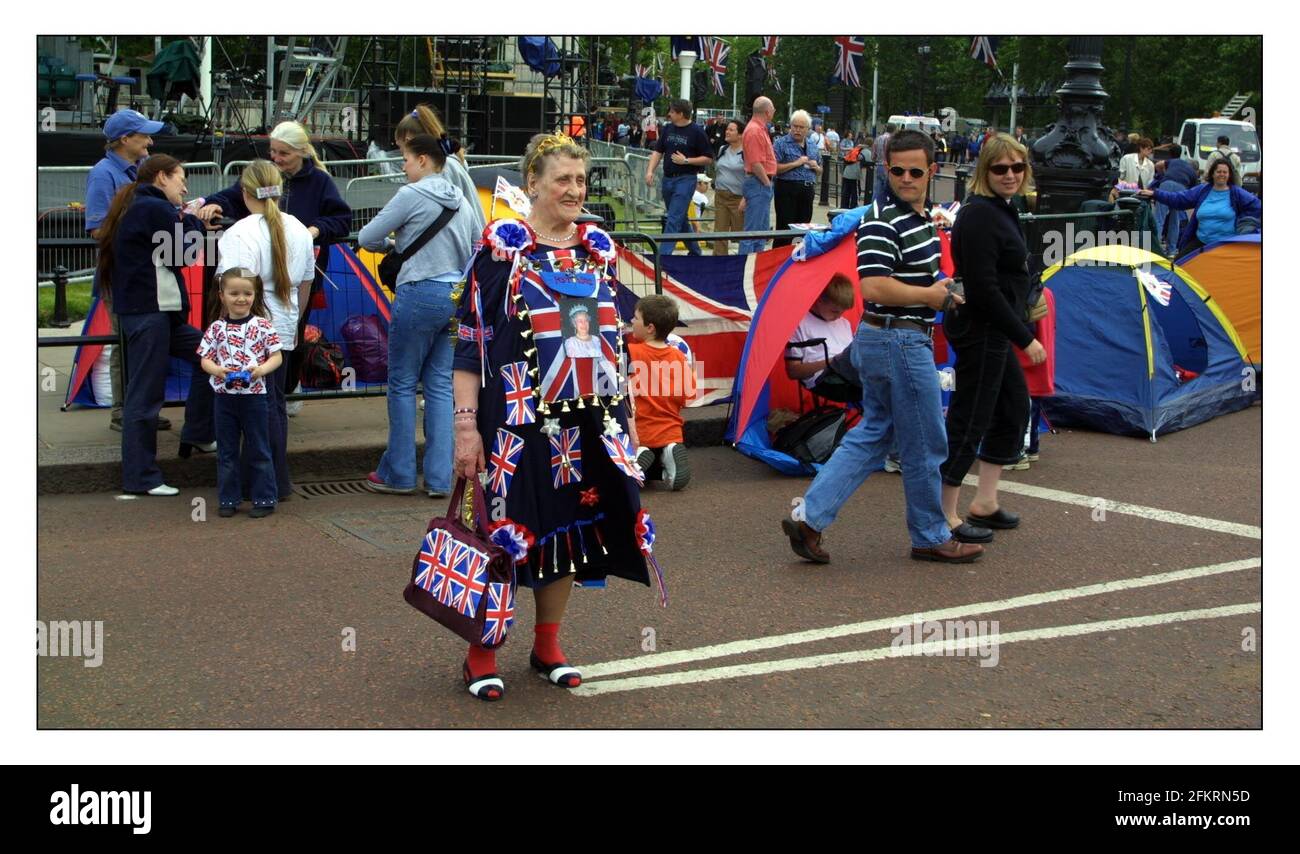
(902, 288)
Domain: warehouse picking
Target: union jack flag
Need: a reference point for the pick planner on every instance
(506, 449)
(717, 53)
(851, 49)
(772, 78)
(469, 333)
(643, 70)
(467, 572)
(663, 78)
(565, 377)
(770, 44)
(432, 558)
(620, 451)
(983, 48)
(566, 457)
(500, 614)
(519, 394)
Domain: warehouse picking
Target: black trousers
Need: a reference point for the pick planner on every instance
(794, 203)
(849, 193)
(988, 410)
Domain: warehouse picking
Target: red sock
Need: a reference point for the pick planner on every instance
(481, 661)
(546, 643)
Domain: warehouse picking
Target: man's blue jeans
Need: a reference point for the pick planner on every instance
(678, 192)
(900, 401)
(419, 352)
(1170, 222)
(880, 191)
(758, 213)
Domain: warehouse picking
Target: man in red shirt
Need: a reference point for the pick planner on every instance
(760, 166)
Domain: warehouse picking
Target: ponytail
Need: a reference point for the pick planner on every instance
(261, 175)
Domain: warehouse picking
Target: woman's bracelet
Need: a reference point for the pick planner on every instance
(468, 410)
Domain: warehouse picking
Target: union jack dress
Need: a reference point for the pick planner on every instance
(550, 466)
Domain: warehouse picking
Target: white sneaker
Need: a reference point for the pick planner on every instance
(677, 466)
(645, 458)
(892, 466)
(164, 489)
(293, 407)
(1021, 464)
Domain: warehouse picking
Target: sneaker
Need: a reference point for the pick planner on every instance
(677, 466)
(892, 465)
(433, 493)
(1032, 457)
(1021, 464)
(261, 511)
(226, 512)
(645, 458)
(163, 489)
(375, 484)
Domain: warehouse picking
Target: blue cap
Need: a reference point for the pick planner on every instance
(125, 122)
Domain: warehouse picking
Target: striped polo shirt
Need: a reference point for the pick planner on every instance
(895, 241)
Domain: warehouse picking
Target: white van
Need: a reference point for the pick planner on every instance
(925, 124)
(1199, 138)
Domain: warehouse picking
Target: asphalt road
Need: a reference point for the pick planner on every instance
(242, 623)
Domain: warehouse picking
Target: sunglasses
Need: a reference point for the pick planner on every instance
(899, 172)
(1003, 168)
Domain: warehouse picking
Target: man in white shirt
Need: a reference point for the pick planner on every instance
(832, 141)
(1139, 168)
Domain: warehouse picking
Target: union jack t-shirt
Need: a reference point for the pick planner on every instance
(239, 345)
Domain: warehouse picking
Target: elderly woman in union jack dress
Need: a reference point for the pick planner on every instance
(551, 430)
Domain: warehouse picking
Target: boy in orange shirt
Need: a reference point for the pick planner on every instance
(661, 382)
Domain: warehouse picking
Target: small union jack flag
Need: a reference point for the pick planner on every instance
(469, 333)
(566, 458)
(770, 44)
(500, 614)
(621, 453)
(984, 49)
(519, 394)
(851, 49)
(432, 557)
(467, 572)
(717, 53)
(506, 449)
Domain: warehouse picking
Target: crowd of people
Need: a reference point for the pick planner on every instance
(508, 395)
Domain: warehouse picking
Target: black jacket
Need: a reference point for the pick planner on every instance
(148, 255)
(988, 249)
(310, 195)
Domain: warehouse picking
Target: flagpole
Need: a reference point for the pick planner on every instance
(734, 86)
(875, 88)
(1015, 73)
(791, 105)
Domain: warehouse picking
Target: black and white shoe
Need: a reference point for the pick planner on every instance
(677, 466)
(645, 458)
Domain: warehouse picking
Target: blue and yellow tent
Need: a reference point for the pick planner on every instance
(1127, 362)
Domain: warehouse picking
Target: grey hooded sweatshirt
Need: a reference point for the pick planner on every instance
(409, 213)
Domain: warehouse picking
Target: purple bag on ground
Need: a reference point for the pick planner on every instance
(366, 339)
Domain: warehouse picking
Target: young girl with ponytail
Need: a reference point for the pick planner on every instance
(277, 247)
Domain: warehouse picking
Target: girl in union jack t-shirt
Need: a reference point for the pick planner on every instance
(242, 341)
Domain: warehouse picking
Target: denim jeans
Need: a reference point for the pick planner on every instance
(758, 213)
(900, 402)
(277, 418)
(244, 416)
(1169, 222)
(151, 340)
(880, 190)
(419, 353)
(678, 192)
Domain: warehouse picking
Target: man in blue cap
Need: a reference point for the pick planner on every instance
(129, 136)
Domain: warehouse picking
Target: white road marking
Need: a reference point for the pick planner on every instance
(1095, 502)
(714, 674)
(701, 653)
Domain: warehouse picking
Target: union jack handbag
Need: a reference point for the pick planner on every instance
(463, 576)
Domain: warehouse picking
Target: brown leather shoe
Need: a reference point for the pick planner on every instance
(806, 542)
(950, 552)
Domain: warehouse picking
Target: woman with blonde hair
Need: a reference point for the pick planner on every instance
(308, 193)
(277, 247)
(990, 406)
(562, 465)
(423, 119)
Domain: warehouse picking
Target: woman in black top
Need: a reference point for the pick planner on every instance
(990, 406)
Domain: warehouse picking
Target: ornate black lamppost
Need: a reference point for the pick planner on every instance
(1077, 159)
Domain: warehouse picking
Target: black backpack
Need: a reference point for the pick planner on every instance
(814, 436)
(322, 365)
